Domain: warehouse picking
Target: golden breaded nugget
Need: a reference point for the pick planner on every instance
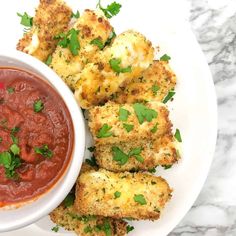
(154, 85)
(127, 58)
(151, 153)
(118, 195)
(52, 17)
(92, 26)
(107, 116)
(67, 218)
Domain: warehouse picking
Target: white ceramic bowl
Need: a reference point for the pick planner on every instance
(31, 212)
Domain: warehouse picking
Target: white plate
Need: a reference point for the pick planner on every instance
(193, 111)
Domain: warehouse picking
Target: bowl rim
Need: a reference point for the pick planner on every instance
(68, 178)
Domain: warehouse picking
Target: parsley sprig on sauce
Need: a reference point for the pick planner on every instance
(111, 10)
(44, 151)
(38, 106)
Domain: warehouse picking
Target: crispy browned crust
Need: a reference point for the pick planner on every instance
(95, 194)
(109, 114)
(161, 151)
(52, 17)
(67, 218)
(140, 89)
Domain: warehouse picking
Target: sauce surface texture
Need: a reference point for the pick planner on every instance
(36, 136)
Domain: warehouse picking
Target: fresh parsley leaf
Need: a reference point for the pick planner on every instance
(55, 228)
(152, 170)
(0, 139)
(10, 90)
(26, 20)
(44, 151)
(155, 88)
(15, 149)
(115, 65)
(98, 43)
(123, 114)
(139, 198)
(136, 153)
(170, 94)
(49, 60)
(104, 132)
(74, 44)
(5, 159)
(111, 10)
(165, 57)
(119, 155)
(75, 15)
(69, 200)
(129, 228)
(92, 162)
(106, 227)
(38, 106)
(144, 113)
(69, 39)
(166, 166)
(15, 130)
(154, 128)
(88, 229)
(128, 127)
(92, 149)
(178, 135)
(111, 37)
(14, 139)
(117, 194)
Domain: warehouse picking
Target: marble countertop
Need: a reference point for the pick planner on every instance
(214, 212)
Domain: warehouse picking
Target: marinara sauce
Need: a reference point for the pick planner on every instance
(36, 136)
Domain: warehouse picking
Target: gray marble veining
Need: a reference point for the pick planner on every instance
(214, 212)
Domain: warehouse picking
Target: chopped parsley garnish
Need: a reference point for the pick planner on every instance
(38, 106)
(0, 139)
(139, 198)
(55, 228)
(178, 136)
(106, 228)
(136, 153)
(88, 229)
(69, 200)
(92, 149)
(166, 166)
(104, 132)
(154, 128)
(123, 114)
(10, 161)
(111, 10)
(98, 43)
(15, 130)
(49, 60)
(69, 39)
(15, 149)
(144, 113)
(75, 15)
(122, 158)
(129, 228)
(165, 57)
(44, 151)
(155, 88)
(115, 65)
(170, 94)
(111, 37)
(128, 127)
(26, 20)
(119, 155)
(117, 194)
(92, 162)
(10, 90)
(152, 170)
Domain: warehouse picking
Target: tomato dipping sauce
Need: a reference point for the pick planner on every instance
(36, 136)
